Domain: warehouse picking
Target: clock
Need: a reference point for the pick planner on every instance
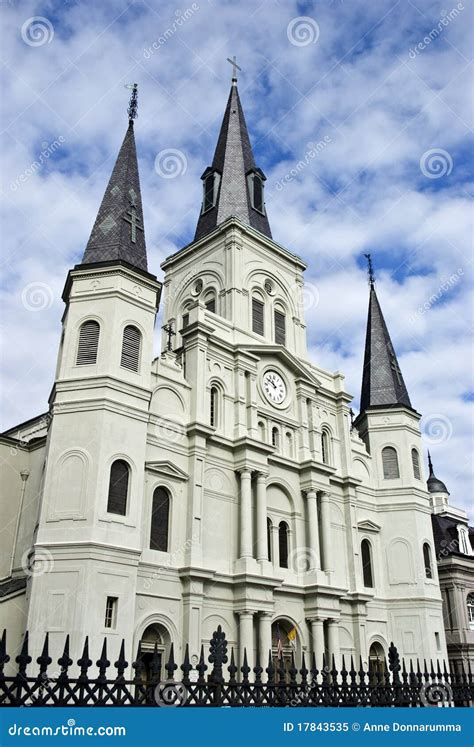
(274, 387)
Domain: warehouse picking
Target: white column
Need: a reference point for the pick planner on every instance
(246, 638)
(333, 642)
(314, 552)
(326, 532)
(317, 631)
(264, 638)
(262, 551)
(246, 540)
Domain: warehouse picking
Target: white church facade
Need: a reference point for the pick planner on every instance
(222, 482)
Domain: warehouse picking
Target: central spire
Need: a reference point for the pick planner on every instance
(233, 184)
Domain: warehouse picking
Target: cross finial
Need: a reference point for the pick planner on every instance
(168, 328)
(370, 270)
(133, 103)
(235, 67)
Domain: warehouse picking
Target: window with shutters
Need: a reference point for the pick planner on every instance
(209, 192)
(415, 460)
(390, 463)
(255, 186)
(366, 556)
(210, 301)
(470, 610)
(160, 515)
(111, 605)
(283, 544)
(257, 316)
(269, 538)
(185, 320)
(118, 488)
(280, 327)
(325, 447)
(88, 343)
(275, 437)
(131, 348)
(427, 560)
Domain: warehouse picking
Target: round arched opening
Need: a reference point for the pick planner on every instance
(376, 660)
(285, 643)
(155, 646)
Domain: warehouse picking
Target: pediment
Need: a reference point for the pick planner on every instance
(286, 358)
(166, 468)
(368, 526)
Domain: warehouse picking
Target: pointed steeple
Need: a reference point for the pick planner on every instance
(434, 485)
(382, 381)
(118, 233)
(233, 185)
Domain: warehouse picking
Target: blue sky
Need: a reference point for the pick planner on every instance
(374, 99)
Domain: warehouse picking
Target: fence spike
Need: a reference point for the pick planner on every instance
(304, 671)
(201, 667)
(171, 666)
(352, 673)
(23, 659)
(258, 670)
(270, 670)
(121, 664)
(314, 669)
(138, 665)
(293, 670)
(232, 669)
(4, 658)
(186, 665)
(103, 662)
(84, 662)
(44, 660)
(64, 661)
(245, 669)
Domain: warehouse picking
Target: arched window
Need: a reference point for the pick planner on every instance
(366, 555)
(415, 460)
(289, 444)
(160, 516)
(257, 316)
(131, 344)
(376, 662)
(390, 463)
(210, 301)
(464, 543)
(283, 544)
(209, 192)
(275, 437)
(262, 432)
(269, 538)
(118, 488)
(88, 343)
(470, 610)
(427, 560)
(280, 326)
(325, 447)
(214, 404)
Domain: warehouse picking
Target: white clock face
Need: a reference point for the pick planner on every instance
(274, 387)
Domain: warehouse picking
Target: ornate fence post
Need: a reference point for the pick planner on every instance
(217, 657)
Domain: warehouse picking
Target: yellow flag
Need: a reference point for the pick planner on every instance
(292, 636)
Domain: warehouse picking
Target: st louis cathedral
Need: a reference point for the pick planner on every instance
(223, 482)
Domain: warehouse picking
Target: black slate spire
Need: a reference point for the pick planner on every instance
(382, 381)
(235, 169)
(118, 232)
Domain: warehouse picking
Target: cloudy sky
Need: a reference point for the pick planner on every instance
(361, 117)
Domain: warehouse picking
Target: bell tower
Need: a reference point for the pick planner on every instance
(91, 508)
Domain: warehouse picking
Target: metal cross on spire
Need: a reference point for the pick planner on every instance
(133, 103)
(235, 67)
(168, 328)
(370, 270)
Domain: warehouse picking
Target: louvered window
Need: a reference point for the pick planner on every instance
(213, 407)
(390, 463)
(366, 554)
(210, 303)
(131, 348)
(118, 488)
(276, 438)
(160, 520)
(257, 193)
(415, 460)
(283, 544)
(427, 560)
(280, 328)
(257, 316)
(209, 192)
(325, 447)
(185, 320)
(88, 343)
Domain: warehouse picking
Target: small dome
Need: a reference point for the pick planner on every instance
(436, 486)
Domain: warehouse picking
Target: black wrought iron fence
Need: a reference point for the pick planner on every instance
(223, 683)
